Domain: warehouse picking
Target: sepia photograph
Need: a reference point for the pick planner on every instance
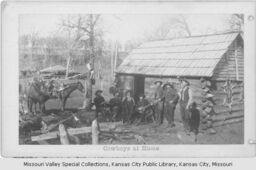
(121, 79)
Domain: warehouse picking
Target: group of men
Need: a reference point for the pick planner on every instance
(122, 108)
(166, 98)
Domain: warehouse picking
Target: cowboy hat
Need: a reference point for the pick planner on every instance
(98, 91)
(186, 81)
(158, 81)
(202, 79)
(168, 84)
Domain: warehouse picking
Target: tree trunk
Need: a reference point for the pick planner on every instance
(88, 99)
(88, 95)
(68, 66)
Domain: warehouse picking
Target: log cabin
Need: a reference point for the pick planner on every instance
(216, 57)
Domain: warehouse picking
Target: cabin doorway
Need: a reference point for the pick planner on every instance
(139, 86)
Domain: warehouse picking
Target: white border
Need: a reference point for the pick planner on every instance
(10, 15)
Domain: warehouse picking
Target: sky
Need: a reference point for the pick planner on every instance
(123, 27)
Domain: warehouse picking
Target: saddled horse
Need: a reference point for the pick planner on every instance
(65, 93)
(40, 93)
(36, 95)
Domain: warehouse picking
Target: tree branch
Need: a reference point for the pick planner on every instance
(96, 19)
(186, 25)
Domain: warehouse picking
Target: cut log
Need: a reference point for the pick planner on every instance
(106, 126)
(231, 121)
(222, 108)
(227, 116)
(77, 131)
(226, 112)
(50, 135)
(51, 127)
(63, 135)
(110, 135)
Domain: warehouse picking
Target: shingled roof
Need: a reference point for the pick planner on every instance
(194, 56)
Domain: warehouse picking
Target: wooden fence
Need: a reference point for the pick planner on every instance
(65, 134)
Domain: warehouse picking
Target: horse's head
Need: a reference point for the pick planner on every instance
(80, 87)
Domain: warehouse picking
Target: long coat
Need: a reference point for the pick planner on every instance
(128, 106)
(171, 99)
(158, 95)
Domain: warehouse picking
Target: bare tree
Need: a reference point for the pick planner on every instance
(184, 24)
(176, 26)
(236, 22)
(84, 26)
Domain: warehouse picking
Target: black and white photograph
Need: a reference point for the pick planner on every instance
(118, 79)
(146, 80)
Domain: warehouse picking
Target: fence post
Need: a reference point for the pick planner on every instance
(95, 132)
(63, 135)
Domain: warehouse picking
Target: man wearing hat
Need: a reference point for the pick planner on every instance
(185, 101)
(99, 102)
(140, 111)
(115, 105)
(171, 99)
(158, 95)
(128, 105)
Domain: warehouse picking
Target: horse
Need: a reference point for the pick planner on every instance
(65, 93)
(36, 95)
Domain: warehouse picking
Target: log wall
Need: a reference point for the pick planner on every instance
(228, 66)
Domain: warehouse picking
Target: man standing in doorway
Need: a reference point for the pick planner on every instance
(158, 96)
(186, 97)
(171, 99)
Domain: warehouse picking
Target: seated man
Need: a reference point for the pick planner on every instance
(99, 102)
(141, 109)
(115, 106)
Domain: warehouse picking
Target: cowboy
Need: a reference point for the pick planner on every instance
(186, 97)
(128, 105)
(171, 99)
(115, 105)
(99, 102)
(158, 97)
(140, 111)
(206, 84)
